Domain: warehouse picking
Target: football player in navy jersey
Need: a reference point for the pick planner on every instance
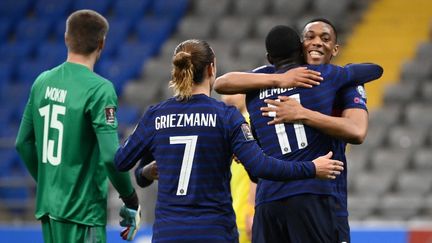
(349, 120)
(303, 210)
(193, 137)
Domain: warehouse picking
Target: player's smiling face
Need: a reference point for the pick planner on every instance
(319, 43)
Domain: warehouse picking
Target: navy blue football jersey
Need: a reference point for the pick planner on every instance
(295, 141)
(193, 142)
(346, 98)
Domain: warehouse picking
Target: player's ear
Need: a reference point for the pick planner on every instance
(211, 69)
(101, 44)
(335, 50)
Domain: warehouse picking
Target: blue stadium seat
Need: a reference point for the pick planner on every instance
(131, 9)
(52, 9)
(12, 169)
(60, 29)
(118, 71)
(16, 51)
(52, 52)
(6, 117)
(14, 9)
(15, 95)
(7, 159)
(118, 32)
(155, 30)
(17, 112)
(172, 9)
(97, 5)
(29, 70)
(136, 52)
(34, 30)
(5, 29)
(127, 115)
(6, 69)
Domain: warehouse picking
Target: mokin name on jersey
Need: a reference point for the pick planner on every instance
(185, 120)
(55, 94)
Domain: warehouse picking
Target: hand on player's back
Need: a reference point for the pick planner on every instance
(300, 77)
(286, 110)
(150, 171)
(327, 168)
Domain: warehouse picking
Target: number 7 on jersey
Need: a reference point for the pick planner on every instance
(188, 156)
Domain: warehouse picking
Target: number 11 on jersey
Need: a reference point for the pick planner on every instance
(300, 133)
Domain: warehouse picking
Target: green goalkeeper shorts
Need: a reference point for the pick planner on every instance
(55, 231)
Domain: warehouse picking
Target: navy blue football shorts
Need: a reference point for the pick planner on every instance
(305, 218)
(343, 230)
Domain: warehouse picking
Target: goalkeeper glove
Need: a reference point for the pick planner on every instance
(131, 216)
(131, 219)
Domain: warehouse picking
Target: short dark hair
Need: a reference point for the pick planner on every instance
(324, 20)
(85, 29)
(283, 42)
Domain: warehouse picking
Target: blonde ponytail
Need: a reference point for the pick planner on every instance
(182, 75)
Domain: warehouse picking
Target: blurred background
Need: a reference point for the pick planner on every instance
(390, 175)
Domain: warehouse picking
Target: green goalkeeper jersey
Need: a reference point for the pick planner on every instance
(68, 106)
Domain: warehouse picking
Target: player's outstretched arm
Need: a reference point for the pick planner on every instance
(260, 165)
(351, 127)
(361, 73)
(134, 148)
(242, 82)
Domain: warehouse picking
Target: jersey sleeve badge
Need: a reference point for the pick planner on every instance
(362, 92)
(247, 132)
(110, 115)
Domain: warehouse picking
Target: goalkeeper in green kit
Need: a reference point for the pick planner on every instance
(68, 139)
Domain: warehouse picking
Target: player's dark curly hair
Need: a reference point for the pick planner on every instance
(85, 30)
(190, 59)
(324, 20)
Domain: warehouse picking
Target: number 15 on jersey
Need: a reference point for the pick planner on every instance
(46, 112)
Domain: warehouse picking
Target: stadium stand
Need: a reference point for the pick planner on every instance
(32, 40)
(389, 175)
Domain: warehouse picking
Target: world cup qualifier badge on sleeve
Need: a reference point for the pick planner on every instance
(110, 115)
(362, 92)
(247, 132)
